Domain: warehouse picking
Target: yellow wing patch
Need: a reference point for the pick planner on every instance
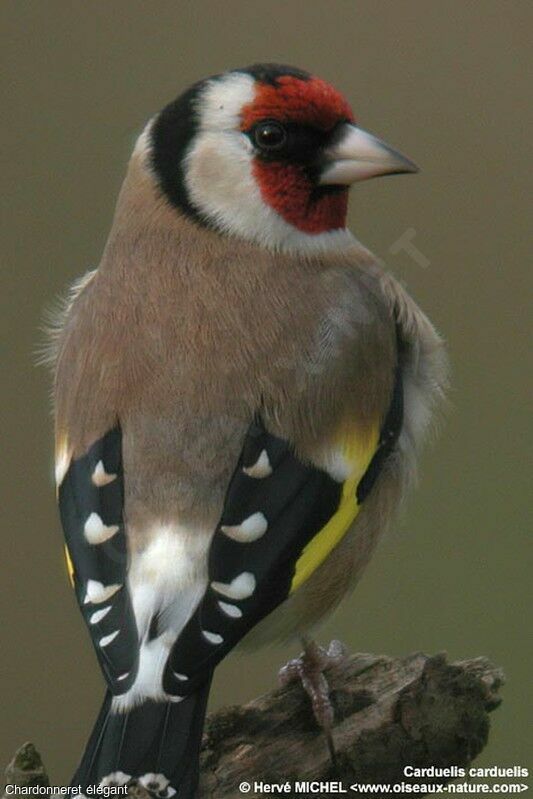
(357, 450)
(70, 566)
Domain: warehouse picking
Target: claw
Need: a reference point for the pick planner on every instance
(309, 669)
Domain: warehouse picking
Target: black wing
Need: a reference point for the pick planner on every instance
(91, 502)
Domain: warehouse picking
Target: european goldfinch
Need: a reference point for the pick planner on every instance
(240, 394)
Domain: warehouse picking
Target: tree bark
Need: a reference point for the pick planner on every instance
(389, 713)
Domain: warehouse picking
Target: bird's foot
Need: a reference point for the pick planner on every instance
(309, 669)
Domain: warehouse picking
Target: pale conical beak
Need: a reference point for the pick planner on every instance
(357, 155)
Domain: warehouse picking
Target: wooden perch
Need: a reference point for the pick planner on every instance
(389, 713)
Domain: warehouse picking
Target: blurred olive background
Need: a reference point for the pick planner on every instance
(446, 83)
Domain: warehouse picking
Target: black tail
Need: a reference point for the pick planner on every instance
(161, 738)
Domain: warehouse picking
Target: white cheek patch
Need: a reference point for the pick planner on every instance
(220, 181)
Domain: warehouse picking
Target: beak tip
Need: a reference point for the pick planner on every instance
(404, 165)
(358, 155)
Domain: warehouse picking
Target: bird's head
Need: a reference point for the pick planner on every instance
(266, 153)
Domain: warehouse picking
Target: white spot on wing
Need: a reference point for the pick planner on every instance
(115, 778)
(97, 592)
(230, 610)
(240, 587)
(261, 468)
(98, 615)
(213, 638)
(154, 782)
(100, 477)
(107, 639)
(96, 532)
(249, 530)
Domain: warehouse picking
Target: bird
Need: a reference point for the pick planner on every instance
(241, 391)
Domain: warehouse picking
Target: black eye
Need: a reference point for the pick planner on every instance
(270, 136)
